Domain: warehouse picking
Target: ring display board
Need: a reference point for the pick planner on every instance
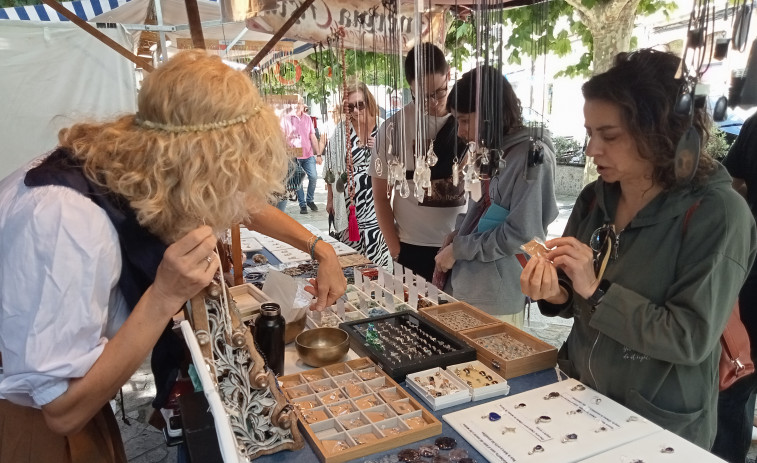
(660, 447)
(565, 422)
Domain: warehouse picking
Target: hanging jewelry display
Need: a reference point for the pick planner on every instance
(320, 69)
(261, 418)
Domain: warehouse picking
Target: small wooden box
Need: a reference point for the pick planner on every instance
(351, 380)
(248, 298)
(543, 357)
(469, 317)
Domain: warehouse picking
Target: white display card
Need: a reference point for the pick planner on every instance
(565, 421)
(381, 277)
(398, 270)
(399, 288)
(420, 282)
(389, 301)
(358, 279)
(340, 307)
(412, 297)
(433, 293)
(660, 447)
(408, 276)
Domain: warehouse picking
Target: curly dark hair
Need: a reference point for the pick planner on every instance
(643, 85)
(501, 110)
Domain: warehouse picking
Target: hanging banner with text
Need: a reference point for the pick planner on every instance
(367, 25)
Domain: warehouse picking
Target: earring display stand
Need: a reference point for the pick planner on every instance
(565, 421)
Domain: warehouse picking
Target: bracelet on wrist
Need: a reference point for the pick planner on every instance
(311, 246)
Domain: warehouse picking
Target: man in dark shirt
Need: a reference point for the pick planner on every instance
(736, 404)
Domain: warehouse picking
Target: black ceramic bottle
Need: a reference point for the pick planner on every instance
(269, 336)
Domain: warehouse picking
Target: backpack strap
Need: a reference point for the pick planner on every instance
(688, 215)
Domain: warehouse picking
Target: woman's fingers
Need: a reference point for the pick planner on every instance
(188, 265)
(539, 279)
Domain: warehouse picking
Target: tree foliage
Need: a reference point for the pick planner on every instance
(12, 3)
(530, 35)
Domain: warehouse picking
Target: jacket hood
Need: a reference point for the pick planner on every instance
(668, 204)
(524, 134)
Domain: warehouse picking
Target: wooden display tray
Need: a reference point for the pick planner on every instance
(397, 367)
(545, 356)
(431, 313)
(248, 298)
(389, 397)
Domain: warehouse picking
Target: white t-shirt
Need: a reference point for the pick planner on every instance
(60, 262)
(421, 224)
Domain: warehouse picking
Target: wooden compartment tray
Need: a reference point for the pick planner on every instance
(455, 317)
(528, 353)
(248, 298)
(353, 409)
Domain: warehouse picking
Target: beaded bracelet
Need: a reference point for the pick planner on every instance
(312, 245)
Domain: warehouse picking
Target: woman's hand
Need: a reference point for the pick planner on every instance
(448, 239)
(371, 142)
(330, 283)
(187, 267)
(445, 259)
(538, 280)
(577, 261)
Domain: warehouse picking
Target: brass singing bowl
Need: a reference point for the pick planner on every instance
(322, 346)
(293, 329)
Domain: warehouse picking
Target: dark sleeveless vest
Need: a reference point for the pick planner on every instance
(141, 253)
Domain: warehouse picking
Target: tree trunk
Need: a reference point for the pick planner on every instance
(611, 24)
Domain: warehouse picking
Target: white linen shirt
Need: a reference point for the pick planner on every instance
(60, 262)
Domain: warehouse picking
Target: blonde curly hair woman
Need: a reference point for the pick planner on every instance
(115, 230)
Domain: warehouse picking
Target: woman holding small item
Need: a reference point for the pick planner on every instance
(107, 236)
(517, 204)
(652, 257)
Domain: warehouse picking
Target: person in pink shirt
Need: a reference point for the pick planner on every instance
(302, 135)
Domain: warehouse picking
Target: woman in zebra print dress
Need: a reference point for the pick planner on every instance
(360, 125)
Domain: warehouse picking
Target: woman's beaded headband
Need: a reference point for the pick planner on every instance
(194, 127)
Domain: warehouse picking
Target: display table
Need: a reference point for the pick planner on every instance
(306, 455)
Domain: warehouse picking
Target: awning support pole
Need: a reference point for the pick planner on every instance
(278, 35)
(195, 25)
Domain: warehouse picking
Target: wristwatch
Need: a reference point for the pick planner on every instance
(599, 293)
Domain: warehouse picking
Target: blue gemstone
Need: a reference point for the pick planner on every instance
(494, 416)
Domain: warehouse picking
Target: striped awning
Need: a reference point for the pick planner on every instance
(86, 10)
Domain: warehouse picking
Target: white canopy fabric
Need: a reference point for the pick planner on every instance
(55, 74)
(175, 14)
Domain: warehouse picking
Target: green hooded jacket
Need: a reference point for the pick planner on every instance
(652, 344)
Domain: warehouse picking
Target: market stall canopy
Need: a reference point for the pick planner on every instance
(366, 23)
(86, 10)
(134, 13)
(217, 34)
